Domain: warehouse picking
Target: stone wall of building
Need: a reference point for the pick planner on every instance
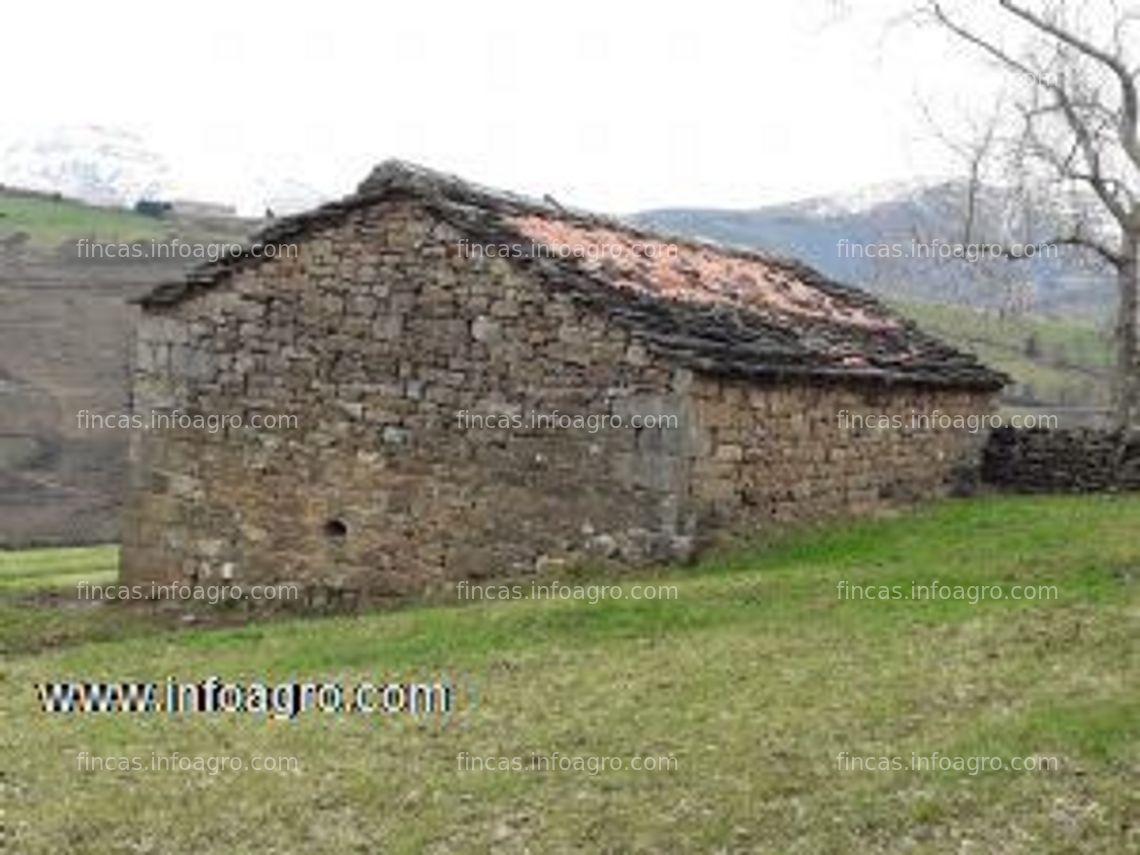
(1082, 460)
(389, 345)
(793, 453)
(413, 371)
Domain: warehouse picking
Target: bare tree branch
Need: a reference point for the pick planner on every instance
(1079, 128)
(1129, 101)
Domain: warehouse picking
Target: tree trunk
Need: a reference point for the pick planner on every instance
(1127, 397)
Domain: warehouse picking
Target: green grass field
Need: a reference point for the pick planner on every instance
(58, 568)
(749, 686)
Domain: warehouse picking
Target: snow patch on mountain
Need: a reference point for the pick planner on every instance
(100, 165)
(861, 200)
(112, 166)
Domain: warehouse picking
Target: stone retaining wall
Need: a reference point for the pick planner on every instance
(1079, 460)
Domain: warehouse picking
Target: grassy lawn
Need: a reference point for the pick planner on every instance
(58, 568)
(750, 685)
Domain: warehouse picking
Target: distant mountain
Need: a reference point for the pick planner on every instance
(844, 236)
(111, 166)
(288, 196)
(99, 165)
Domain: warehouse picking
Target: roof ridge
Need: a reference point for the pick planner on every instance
(396, 174)
(894, 348)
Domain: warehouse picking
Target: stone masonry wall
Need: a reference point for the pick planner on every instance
(1082, 460)
(386, 342)
(377, 336)
(790, 454)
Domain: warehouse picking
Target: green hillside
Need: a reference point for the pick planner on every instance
(65, 329)
(51, 222)
(754, 692)
(48, 222)
(1052, 361)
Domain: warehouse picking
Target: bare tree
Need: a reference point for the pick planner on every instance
(989, 219)
(1075, 130)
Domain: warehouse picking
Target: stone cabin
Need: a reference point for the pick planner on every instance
(422, 301)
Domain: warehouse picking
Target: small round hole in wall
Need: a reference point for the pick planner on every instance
(336, 529)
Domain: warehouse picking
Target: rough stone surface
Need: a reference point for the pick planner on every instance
(381, 336)
(1080, 461)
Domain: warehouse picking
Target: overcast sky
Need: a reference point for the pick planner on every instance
(608, 105)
